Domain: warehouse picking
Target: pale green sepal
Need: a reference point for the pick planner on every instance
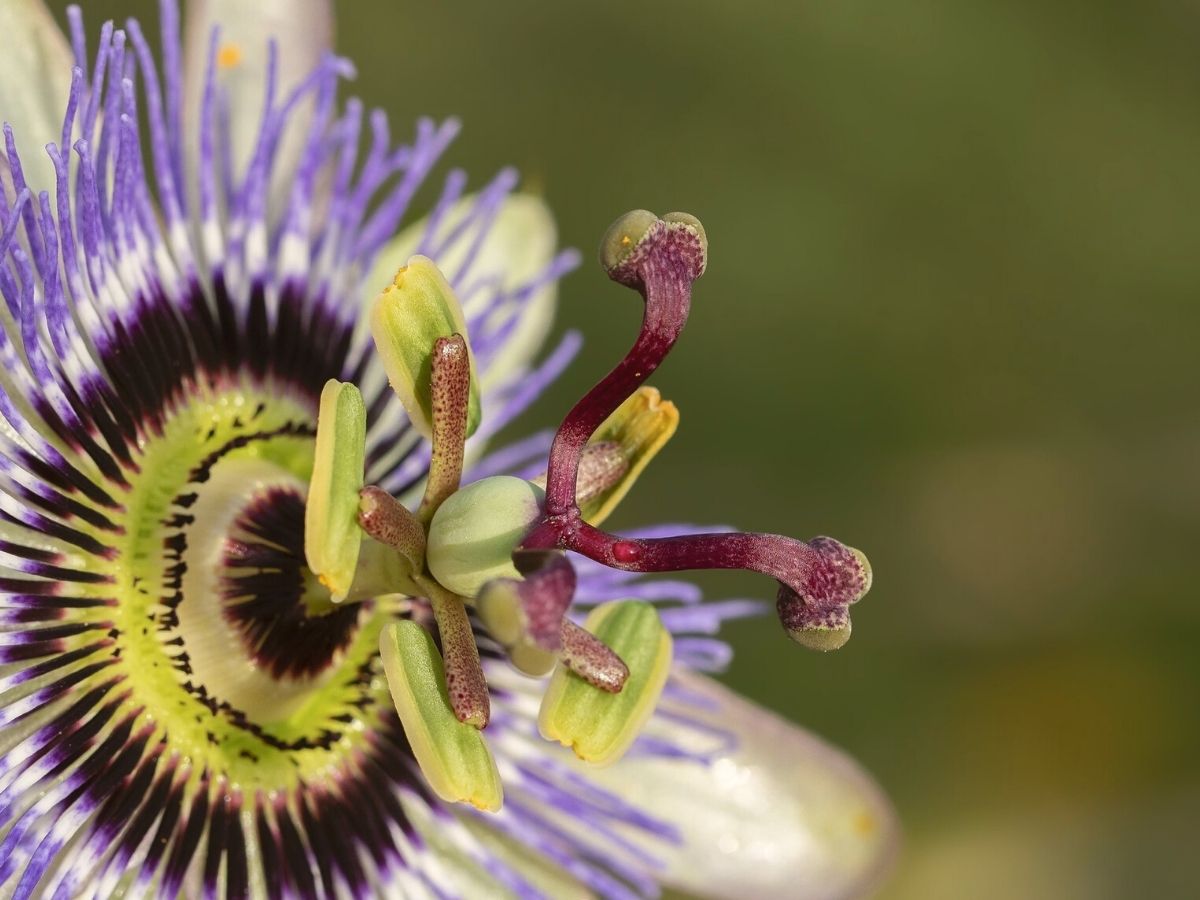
(35, 79)
(453, 755)
(416, 309)
(775, 813)
(519, 244)
(641, 425)
(303, 33)
(474, 532)
(597, 725)
(332, 538)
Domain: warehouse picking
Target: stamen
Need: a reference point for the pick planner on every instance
(640, 427)
(619, 451)
(418, 329)
(528, 617)
(601, 725)
(464, 673)
(453, 756)
(450, 389)
(386, 520)
(332, 539)
(408, 317)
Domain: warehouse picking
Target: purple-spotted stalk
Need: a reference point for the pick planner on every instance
(386, 520)
(450, 391)
(450, 388)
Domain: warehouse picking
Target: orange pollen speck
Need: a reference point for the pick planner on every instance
(229, 56)
(864, 823)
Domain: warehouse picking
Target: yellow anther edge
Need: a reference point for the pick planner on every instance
(642, 425)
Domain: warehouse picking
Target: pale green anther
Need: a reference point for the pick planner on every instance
(414, 311)
(528, 657)
(641, 426)
(453, 755)
(600, 726)
(623, 236)
(501, 610)
(474, 532)
(332, 538)
(503, 615)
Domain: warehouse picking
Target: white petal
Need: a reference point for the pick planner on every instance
(785, 815)
(521, 243)
(303, 32)
(35, 79)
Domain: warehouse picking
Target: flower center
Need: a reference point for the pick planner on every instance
(244, 588)
(218, 623)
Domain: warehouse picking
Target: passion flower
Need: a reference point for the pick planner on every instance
(229, 665)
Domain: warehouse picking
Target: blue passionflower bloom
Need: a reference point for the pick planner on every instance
(193, 230)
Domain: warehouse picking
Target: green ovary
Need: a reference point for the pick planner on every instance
(246, 430)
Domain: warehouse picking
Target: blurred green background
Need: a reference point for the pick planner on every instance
(951, 318)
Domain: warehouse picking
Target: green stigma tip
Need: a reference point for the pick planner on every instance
(623, 237)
